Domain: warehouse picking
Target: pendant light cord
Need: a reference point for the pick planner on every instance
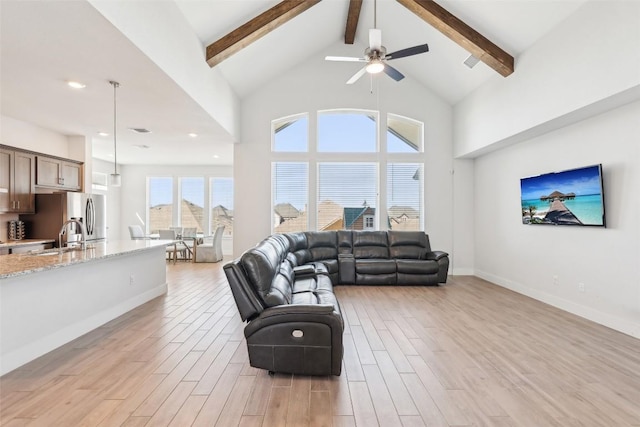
(115, 154)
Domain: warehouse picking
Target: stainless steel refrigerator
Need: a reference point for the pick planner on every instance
(52, 210)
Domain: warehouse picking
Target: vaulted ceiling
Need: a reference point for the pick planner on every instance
(513, 25)
(44, 43)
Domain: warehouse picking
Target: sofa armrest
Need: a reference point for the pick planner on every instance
(319, 313)
(304, 271)
(346, 269)
(442, 258)
(291, 309)
(436, 255)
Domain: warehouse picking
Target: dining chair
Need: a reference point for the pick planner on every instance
(172, 249)
(178, 231)
(136, 232)
(189, 239)
(211, 248)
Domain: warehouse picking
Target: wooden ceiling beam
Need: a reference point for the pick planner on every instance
(471, 40)
(352, 21)
(259, 26)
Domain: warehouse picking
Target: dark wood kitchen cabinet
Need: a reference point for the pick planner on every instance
(58, 173)
(17, 180)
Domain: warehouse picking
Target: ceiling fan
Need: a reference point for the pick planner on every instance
(376, 55)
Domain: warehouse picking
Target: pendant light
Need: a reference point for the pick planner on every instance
(115, 179)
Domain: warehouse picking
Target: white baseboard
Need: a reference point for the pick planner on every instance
(463, 272)
(606, 319)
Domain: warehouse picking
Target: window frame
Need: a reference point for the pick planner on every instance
(382, 157)
(292, 118)
(399, 117)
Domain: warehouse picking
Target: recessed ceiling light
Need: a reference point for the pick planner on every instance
(215, 156)
(103, 134)
(76, 85)
(193, 135)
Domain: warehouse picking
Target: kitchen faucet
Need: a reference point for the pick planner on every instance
(83, 242)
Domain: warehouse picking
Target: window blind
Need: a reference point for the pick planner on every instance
(347, 193)
(404, 196)
(290, 184)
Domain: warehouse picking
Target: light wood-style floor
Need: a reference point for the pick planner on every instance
(468, 353)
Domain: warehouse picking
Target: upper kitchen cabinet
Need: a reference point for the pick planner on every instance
(17, 179)
(58, 173)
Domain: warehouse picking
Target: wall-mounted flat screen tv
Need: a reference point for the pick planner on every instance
(571, 197)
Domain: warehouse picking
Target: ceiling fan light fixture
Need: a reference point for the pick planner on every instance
(375, 66)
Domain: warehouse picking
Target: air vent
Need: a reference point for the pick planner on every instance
(471, 61)
(140, 130)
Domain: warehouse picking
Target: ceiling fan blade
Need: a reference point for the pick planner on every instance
(393, 73)
(344, 58)
(357, 75)
(375, 39)
(408, 51)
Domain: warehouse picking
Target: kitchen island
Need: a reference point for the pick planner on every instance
(50, 298)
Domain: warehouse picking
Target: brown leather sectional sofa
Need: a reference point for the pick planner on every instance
(283, 288)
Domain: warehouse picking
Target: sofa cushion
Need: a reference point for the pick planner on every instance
(376, 279)
(298, 249)
(414, 266)
(281, 244)
(408, 244)
(262, 265)
(375, 266)
(280, 291)
(311, 284)
(322, 245)
(316, 297)
(370, 244)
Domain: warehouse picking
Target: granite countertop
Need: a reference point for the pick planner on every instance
(22, 264)
(24, 242)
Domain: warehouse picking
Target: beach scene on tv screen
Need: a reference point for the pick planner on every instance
(572, 197)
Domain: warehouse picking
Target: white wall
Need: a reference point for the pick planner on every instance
(27, 136)
(586, 65)
(525, 258)
(317, 85)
